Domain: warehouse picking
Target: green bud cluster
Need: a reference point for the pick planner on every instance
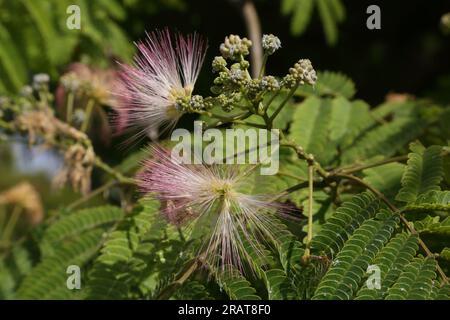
(269, 83)
(219, 64)
(233, 84)
(253, 88)
(192, 104)
(302, 72)
(232, 79)
(234, 47)
(237, 75)
(183, 103)
(196, 103)
(227, 100)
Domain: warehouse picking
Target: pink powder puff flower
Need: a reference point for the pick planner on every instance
(236, 222)
(164, 70)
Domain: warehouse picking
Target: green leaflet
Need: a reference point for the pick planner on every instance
(13, 269)
(73, 240)
(430, 201)
(301, 17)
(193, 290)
(11, 60)
(43, 43)
(47, 280)
(415, 282)
(109, 275)
(383, 140)
(385, 178)
(443, 293)
(78, 222)
(236, 286)
(346, 219)
(331, 12)
(433, 226)
(329, 83)
(349, 266)
(423, 173)
(279, 286)
(391, 260)
(310, 127)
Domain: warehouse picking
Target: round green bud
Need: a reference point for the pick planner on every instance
(219, 64)
(270, 43)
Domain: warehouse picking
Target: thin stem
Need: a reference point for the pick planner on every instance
(116, 174)
(289, 175)
(11, 224)
(280, 107)
(2, 219)
(263, 66)
(224, 120)
(353, 169)
(87, 114)
(43, 96)
(69, 108)
(266, 107)
(367, 186)
(310, 210)
(184, 275)
(91, 195)
(250, 124)
(307, 157)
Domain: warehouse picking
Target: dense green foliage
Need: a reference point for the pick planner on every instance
(375, 180)
(138, 255)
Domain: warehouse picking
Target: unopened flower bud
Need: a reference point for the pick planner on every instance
(244, 64)
(219, 64)
(70, 82)
(78, 116)
(270, 43)
(40, 80)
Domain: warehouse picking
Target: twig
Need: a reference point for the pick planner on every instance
(224, 120)
(92, 194)
(192, 266)
(87, 115)
(116, 174)
(307, 157)
(280, 107)
(11, 224)
(353, 169)
(69, 109)
(310, 211)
